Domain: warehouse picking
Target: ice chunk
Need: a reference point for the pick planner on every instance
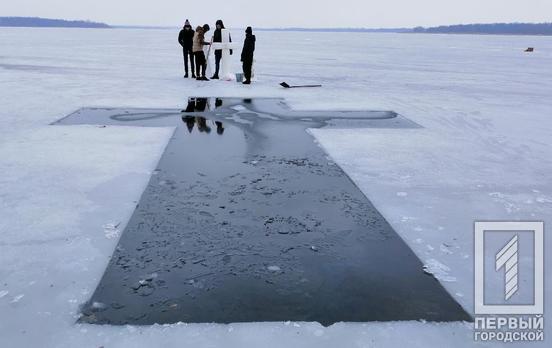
(111, 230)
(438, 270)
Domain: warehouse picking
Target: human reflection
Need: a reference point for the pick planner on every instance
(197, 105)
(202, 124)
(190, 122)
(220, 127)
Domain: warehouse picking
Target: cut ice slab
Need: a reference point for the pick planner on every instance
(247, 221)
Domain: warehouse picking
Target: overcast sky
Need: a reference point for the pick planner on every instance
(287, 13)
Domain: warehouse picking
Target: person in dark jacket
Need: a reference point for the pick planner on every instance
(217, 37)
(186, 40)
(247, 55)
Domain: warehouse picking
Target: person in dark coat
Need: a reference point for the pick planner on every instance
(247, 54)
(217, 37)
(186, 40)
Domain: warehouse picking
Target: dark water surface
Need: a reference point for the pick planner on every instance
(246, 219)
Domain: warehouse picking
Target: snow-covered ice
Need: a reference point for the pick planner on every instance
(484, 153)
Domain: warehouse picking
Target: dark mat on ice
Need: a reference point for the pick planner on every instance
(247, 219)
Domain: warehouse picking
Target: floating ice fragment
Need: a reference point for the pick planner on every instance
(98, 306)
(274, 268)
(402, 194)
(111, 230)
(438, 270)
(3, 293)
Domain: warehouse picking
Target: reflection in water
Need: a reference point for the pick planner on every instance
(202, 104)
(220, 128)
(197, 105)
(202, 124)
(190, 122)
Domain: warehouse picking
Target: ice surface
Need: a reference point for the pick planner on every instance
(485, 107)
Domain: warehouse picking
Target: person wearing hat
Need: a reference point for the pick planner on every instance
(186, 40)
(217, 37)
(200, 61)
(247, 55)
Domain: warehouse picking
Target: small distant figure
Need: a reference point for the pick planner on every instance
(217, 37)
(200, 61)
(247, 55)
(530, 49)
(186, 40)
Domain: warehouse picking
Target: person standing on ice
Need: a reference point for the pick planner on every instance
(186, 40)
(217, 37)
(200, 61)
(247, 55)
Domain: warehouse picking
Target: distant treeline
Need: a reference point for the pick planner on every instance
(45, 22)
(340, 30)
(497, 28)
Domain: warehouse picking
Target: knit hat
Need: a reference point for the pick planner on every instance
(187, 24)
(219, 22)
(206, 27)
(249, 30)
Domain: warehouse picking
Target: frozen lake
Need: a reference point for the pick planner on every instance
(66, 192)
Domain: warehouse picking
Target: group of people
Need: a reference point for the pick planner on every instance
(194, 42)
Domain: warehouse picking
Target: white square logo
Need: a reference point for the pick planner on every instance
(509, 268)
